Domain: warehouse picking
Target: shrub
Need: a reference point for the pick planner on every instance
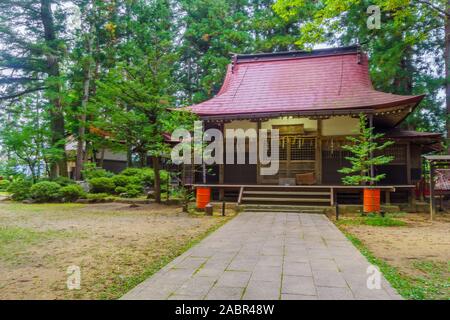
(45, 191)
(132, 191)
(98, 197)
(20, 189)
(121, 180)
(164, 175)
(63, 181)
(4, 185)
(102, 185)
(147, 177)
(142, 176)
(119, 190)
(135, 180)
(132, 172)
(72, 192)
(90, 171)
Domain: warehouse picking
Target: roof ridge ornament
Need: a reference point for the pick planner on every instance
(359, 53)
(233, 62)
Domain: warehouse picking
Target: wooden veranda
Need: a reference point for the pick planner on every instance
(321, 195)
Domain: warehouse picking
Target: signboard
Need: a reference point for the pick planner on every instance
(442, 181)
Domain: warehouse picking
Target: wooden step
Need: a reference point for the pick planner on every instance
(293, 193)
(285, 199)
(284, 208)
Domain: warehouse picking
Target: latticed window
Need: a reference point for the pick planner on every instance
(398, 151)
(336, 155)
(303, 148)
(284, 145)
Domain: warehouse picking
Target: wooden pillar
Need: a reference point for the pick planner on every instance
(258, 165)
(222, 165)
(203, 161)
(319, 152)
(432, 199)
(372, 173)
(411, 198)
(387, 197)
(408, 162)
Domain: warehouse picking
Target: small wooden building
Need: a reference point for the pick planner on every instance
(314, 99)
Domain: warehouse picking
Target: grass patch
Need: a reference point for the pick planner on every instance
(435, 280)
(397, 214)
(122, 286)
(433, 285)
(372, 220)
(15, 240)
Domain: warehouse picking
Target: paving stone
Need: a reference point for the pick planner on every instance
(243, 264)
(237, 279)
(298, 285)
(262, 290)
(196, 286)
(364, 293)
(328, 278)
(191, 263)
(224, 293)
(158, 291)
(273, 250)
(333, 293)
(297, 297)
(267, 255)
(296, 258)
(270, 261)
(177, 276)
(323, 264)
(297, 269)
(267, 273)
(183, 297)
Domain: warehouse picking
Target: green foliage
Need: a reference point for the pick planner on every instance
(119, 190)
(132, 191)
(4, 185)
(362, 147)
(91, 171)
(64, 181)
(23, 134)
(102, 185)
(186, 195)
(142, 176)
(98, 197)
(129, 172)
(72, 192)
(121, 180)
(45, 191)
(19, 189)
(164, 175)
(215, 29)
(373, 220)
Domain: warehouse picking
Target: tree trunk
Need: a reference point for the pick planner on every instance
(447, 72)
(102, 158)
(143, 159)
(84, 101)
(129, 157)
(157, 185)
(56, 112)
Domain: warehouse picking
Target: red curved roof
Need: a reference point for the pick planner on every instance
(327, 79)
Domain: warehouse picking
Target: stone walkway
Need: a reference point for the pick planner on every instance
(267, 256)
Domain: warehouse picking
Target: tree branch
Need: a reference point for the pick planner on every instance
(15, 95)
(434, 7)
